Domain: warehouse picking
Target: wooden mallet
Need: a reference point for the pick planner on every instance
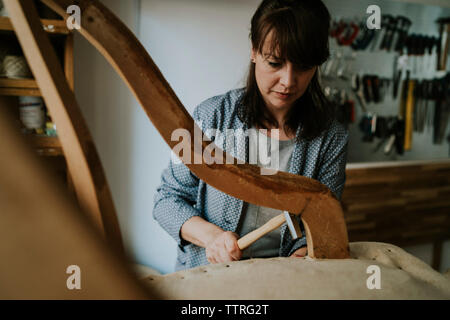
(269, 226)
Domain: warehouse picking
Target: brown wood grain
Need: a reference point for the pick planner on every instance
(402, 205)
(18, 83)
(17, 92)
(68, 61)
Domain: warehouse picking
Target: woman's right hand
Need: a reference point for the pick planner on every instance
(223, 248)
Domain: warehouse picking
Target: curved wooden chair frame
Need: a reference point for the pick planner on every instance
(320, 211)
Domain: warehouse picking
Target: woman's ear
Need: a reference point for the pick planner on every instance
(253, 55)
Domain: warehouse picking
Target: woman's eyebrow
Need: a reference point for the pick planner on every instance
(269, 55)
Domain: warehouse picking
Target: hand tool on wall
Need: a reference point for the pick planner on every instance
(399, 136)
(390, 29)
(433, 60)
(375, 88)
(444, 40)
(442, 109)
(391, 135)
(420, 52)
(368, 126)
(380, 34)
(345, 110)
(348, 35)
(403, 97)
(409, 115)
(401, 64)
(417, 100)
(390, 144)
(358, 90)
(394, 35)
(428, 95)
(350, 110)
(412, 47)
(390, 130)
(420, 110)
(404, 25)
(272, 224)
(385, 85)
(382, 131)
(365, 37)
(337, 27)
(367, 88)
(399, 128)
(427, 50)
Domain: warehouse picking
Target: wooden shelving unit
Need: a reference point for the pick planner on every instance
(44, 145)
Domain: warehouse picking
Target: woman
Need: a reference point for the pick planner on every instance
(289, 40)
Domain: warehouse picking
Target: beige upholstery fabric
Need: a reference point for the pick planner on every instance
(143, 272)
(402, 277)
(447, 274)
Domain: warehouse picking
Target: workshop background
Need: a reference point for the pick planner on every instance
(202, 49)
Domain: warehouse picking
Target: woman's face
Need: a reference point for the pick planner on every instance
(279, 82)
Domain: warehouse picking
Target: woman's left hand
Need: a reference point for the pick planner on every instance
(300, 253)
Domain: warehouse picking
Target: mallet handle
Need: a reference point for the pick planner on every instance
(270, 225)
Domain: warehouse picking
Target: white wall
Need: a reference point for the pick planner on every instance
(201, 46)
(202, 49)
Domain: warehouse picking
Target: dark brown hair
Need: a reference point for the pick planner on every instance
(300, 35)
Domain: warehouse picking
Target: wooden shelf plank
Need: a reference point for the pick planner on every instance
(50, 152)
(46, 146)
(20, 92)
(44, 141)
(18, 83)
(51, 26)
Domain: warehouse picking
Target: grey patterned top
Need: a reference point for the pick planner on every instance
(182, 195)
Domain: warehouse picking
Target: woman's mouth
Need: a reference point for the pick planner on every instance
(283, 95)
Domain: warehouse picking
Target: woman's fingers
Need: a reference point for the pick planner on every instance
(300, 253)
(224, 248)
(232, 247)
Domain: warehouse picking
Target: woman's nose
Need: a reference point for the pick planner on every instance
(287, 76)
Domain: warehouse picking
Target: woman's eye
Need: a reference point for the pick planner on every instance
(274, 64)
